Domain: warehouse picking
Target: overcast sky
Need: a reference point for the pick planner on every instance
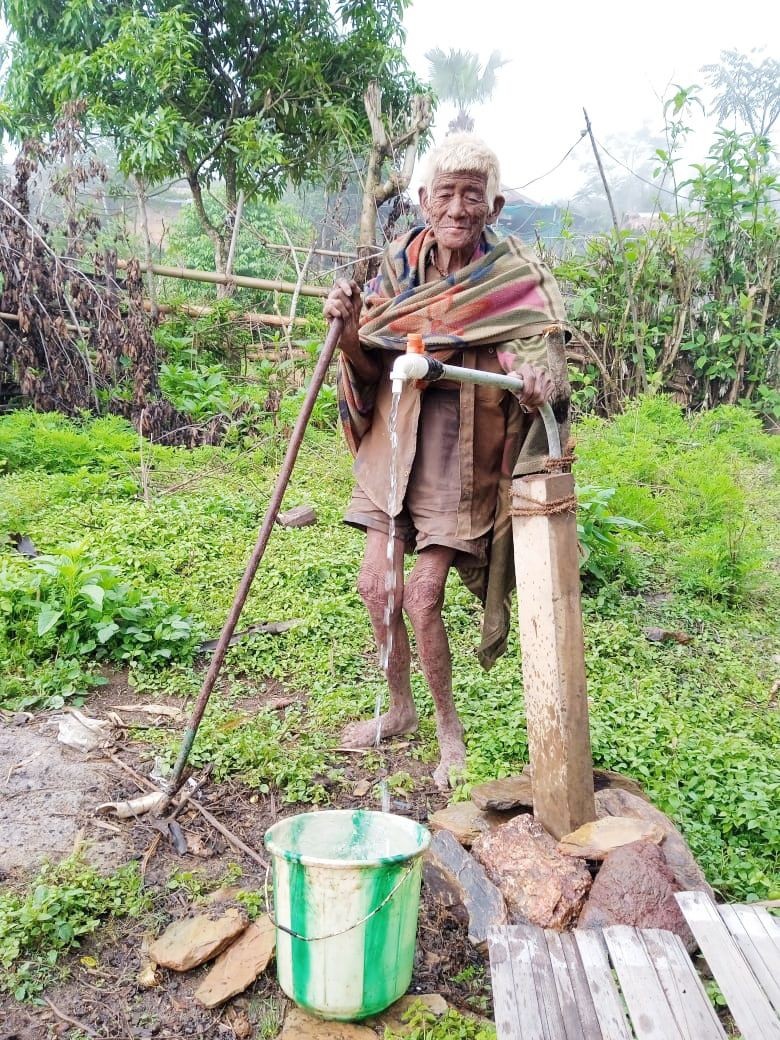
(615, 57)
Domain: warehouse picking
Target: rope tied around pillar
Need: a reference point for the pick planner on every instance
(521, 505)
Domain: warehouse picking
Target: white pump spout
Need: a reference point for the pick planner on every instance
(406, 367)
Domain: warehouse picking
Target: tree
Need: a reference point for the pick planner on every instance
(460, 78)
(252, 93)
(749, 92)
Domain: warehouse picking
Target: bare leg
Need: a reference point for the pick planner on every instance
(423, 601)
(402, 715)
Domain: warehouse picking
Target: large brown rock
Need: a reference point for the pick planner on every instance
(194, 940)
(239, 965)
(457, 882)
(466, 821)
(686, 871)
(539, 884)
(636, 887)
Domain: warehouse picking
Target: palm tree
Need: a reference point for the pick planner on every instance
(460, 78)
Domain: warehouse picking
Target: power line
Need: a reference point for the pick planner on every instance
(552, 170)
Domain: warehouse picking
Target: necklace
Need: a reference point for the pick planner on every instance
(432, 258)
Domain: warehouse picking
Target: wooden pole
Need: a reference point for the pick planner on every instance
(556, 704)
(640, 348)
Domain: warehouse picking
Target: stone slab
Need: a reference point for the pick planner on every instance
(595, 840)
(194, 940)
(238, 966)
(299, 1025)
(455, 880)
(466, 821)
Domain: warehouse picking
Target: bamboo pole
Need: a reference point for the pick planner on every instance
(214, 278)
(193, 310)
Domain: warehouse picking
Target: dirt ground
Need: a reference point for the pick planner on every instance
(52, 792)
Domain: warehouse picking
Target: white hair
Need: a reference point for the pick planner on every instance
(464, 153)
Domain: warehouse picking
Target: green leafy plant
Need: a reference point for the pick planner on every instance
(601, 555)
(65, 903)
(202, 391)
(422, 1024)
(63, 610)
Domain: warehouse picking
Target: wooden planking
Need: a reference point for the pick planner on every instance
(760, 948)
(517, 1009)
(544, 981)
(573, 990)
(606, 999)
(505, 1007)
(694, 1014)
(648, 1008)
(747, 1002)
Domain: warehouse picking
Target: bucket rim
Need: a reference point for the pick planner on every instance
(293, 856)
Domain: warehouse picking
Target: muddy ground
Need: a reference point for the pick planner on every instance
(48, 810)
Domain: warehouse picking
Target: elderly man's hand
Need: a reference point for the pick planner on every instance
(537, 387)
(344, 301)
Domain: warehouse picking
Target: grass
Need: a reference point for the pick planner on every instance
(697, 725)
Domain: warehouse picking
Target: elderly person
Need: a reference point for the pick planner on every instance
(477, 301)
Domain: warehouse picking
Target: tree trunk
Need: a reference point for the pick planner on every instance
(375, 191)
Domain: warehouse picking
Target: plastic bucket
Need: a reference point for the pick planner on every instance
(346, 896)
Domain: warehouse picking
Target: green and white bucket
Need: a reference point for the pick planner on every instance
(346, 896)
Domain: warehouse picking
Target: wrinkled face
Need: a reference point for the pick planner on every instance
(457, 209)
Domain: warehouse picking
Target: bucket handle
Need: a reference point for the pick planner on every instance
(341, 931)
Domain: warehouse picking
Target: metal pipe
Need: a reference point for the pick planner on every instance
(427, 368)
(296, 438)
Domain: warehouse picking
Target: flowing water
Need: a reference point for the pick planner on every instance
(386, 645)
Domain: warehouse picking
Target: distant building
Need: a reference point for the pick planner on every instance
(529, 220)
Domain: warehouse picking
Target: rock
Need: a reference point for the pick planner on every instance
(516, 792)
(663, 635)
(455, 880)
(595, 840)
(239, 965)
(298, 516)
(636, 887)
(361, 788)
(466, 821)
(299, 1025)
(686, 870)
(511, 793)
(539, 884)
(186, 944)
(393, 1018)
(604, 779)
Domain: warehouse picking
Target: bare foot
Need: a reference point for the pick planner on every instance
(453, 760)
(393, 723)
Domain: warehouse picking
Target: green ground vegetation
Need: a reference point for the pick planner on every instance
(679, 526)
(64, 904)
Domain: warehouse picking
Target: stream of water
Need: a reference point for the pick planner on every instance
(386, 645)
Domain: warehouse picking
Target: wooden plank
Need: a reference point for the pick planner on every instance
(760, 948)
(606, 999)
(648, 1007)
(516, 1006)
(548, 587)
(576, 1003)
(687, 998)
(747, 1002)
(544, 981)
